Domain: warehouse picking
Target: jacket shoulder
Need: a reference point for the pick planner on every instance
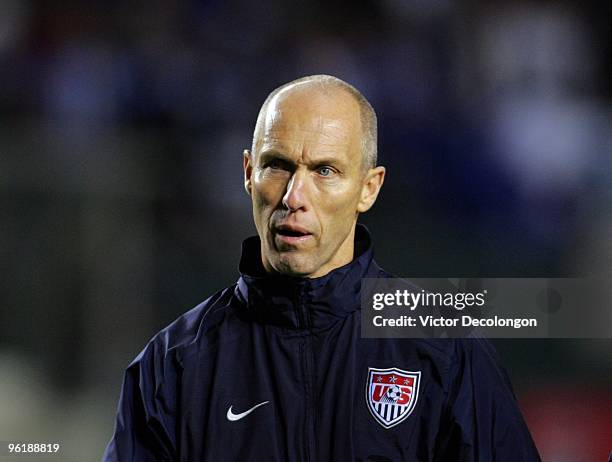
(192, 329)
(146, 416)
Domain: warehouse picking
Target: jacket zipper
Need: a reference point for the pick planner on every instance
(309, 378)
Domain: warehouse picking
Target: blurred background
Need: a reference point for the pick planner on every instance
(121, 199)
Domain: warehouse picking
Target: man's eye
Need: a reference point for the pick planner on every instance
(325, 171)
(274, 164)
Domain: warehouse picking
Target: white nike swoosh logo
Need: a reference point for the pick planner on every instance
(233, 417)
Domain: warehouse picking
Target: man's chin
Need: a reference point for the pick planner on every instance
(292, 264)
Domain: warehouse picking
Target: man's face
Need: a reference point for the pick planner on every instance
(307, 181)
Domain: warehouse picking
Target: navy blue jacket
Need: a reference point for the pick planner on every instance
(274, 369)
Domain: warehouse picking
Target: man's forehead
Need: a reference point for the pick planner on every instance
(314, 138)
(281, 124)
(333, 116)
(312, 121)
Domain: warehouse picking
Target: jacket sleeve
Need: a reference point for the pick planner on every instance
(484, 422)
(145, 424)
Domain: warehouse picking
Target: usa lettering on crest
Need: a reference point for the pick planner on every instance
(391, 394)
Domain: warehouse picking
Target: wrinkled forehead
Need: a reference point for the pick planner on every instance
(325, 117)
(293, 127)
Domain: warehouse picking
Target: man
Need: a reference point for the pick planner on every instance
(273, 368)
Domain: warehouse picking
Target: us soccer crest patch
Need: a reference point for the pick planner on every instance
(391, 394)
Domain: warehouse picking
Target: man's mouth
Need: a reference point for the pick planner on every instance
(291, 234)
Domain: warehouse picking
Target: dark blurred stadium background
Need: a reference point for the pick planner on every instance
(122, 128)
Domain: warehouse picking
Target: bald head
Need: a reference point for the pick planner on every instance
(336, 92)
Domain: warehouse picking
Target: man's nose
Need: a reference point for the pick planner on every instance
(295, 196)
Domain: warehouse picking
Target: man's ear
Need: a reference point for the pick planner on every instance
(247, 164)
(373, 181)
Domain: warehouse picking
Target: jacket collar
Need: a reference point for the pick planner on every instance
(303, 303)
